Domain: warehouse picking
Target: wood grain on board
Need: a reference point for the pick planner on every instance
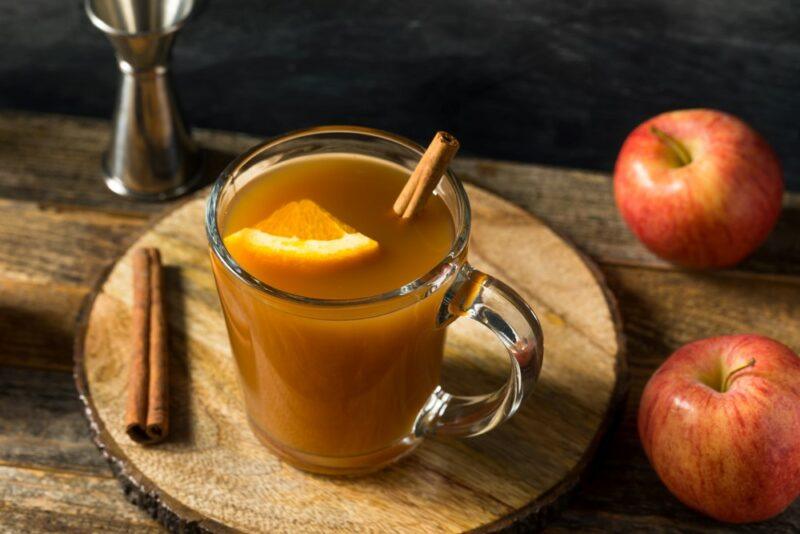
(49, 183)
(499, 479)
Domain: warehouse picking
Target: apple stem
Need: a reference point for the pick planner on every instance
(726, 384)
(674, 145)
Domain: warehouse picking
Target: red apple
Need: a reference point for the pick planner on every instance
(698, 187)
(720, 422)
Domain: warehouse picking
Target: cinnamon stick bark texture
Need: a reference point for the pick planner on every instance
(426, 175)
(146, 411)
(158, 394)
(138, 383)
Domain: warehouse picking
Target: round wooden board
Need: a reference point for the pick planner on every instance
(212, 474)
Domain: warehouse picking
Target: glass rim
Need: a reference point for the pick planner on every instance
(221, 252)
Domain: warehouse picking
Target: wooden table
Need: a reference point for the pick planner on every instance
(59, 227)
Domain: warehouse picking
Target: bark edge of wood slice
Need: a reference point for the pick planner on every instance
(212, 475)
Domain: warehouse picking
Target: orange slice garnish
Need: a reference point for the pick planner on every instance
(302, 236)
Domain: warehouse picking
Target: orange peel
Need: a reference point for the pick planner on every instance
(299, 236)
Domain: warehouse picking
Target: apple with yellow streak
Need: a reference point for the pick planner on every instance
(698, 187)
(720, 423)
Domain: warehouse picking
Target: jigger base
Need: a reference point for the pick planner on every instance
(116, 185)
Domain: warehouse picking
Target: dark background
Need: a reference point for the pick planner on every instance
(556, 82)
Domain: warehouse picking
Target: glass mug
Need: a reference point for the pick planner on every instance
(349, 386)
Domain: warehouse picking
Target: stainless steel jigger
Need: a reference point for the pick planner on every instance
(151, 155)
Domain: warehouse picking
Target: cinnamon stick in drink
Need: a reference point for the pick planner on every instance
(426, 175)
(146, 413)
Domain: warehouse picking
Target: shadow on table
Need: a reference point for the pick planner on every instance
(780, 253)
(179, 385)
(34, 338)
(214, 163)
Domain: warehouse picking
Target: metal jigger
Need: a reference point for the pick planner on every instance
(151, 155)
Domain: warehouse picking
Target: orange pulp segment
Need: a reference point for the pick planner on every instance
(300, 235)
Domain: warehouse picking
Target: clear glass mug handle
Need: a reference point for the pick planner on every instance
(492, 303)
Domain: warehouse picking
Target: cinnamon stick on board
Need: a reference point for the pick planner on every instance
(158, 392)
(146, 413)
(426, 175)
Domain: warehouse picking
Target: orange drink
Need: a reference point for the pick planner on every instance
(337, 308)
(349, 396)
(358, 191)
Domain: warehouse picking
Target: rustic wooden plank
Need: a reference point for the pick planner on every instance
(54, 160)
(623, 493)
(63, 200)
(37, 320)
(33, 500)
(44, 245)
(580, 205)
(49, 259)
(661, 311)
(52, 477)
(56, 424)
(42, 424)
(664, 310)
